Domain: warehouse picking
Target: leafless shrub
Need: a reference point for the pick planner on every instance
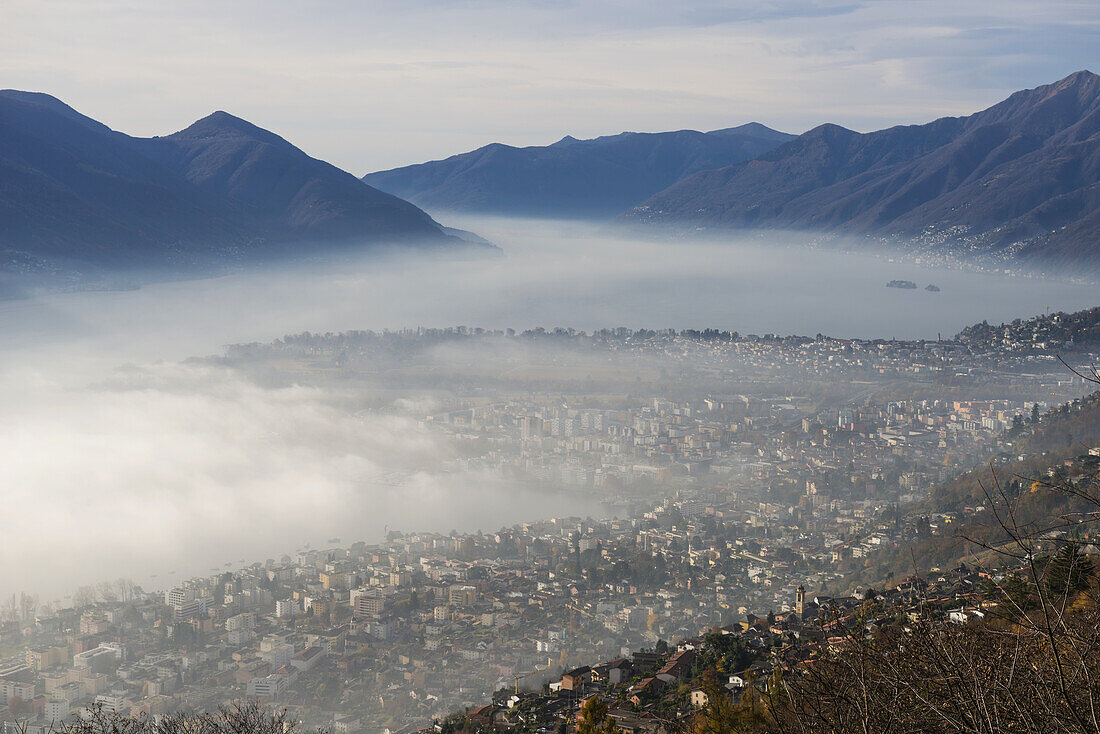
(242, 718)
(1031, 666)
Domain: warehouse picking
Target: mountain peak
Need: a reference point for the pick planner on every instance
(222, 124)
(1083, 84)
(220, 119)
(753, 129)
(830, 131)
(1046, 110)
(1084, 76)
(223, 117)
(53, 104)
(40, 98)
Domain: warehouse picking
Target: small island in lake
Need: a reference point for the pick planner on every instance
(901, 284)
(932, 288)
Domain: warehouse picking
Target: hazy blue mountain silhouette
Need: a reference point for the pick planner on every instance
(572, 178)
(1023, 175)
(77, 196)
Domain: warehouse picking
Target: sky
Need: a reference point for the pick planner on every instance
(373, 84)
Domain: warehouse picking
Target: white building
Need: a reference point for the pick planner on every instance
(278, 655)
(11, 688)
(308, 659)
(240, 628)
(98, 659)
(269, 687)
(57, 709)
(114, 702)
(287, 608)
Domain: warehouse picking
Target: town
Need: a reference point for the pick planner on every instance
(752, 486)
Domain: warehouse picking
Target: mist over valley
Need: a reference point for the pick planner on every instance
(204, 463)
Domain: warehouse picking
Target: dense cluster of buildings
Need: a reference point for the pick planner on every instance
(736, 442)
(762, 467)
(410, 629)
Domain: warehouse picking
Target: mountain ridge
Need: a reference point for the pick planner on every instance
(77, 197)
(571, 178)
(1017, 180)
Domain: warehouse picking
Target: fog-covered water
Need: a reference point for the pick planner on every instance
(116, 459)
(552, 274)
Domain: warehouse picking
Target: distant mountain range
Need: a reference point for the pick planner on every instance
(77, 197)
(572, 178)
(1018, 180)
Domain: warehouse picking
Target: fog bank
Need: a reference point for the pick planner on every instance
(553, 274)
(120, 458)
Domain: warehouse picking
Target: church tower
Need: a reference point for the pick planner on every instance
(800, 600)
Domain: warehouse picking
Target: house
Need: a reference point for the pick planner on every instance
(964, 615)
(308, 659)
(645, 689)
(347, 724)
(483, 715)
(631, 723)
(576, 678)
(613, 672)
(645, 662)
(678, 666)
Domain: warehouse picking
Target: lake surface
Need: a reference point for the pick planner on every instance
(551, 275)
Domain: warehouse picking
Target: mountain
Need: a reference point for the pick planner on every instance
(77, 197)
(572, 178)
(1020, 179)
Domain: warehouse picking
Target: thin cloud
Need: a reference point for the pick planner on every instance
(365, 84)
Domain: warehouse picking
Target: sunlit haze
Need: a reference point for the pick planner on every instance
(154, 461)
(374, 85)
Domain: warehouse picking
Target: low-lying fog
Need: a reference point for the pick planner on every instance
(118, 458)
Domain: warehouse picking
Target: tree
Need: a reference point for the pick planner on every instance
(720, 715)
(594, 718)
(1069, 572)
(84, 596)
(107, 591)
(246, 718)
(1013, 590)
(124, 588)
